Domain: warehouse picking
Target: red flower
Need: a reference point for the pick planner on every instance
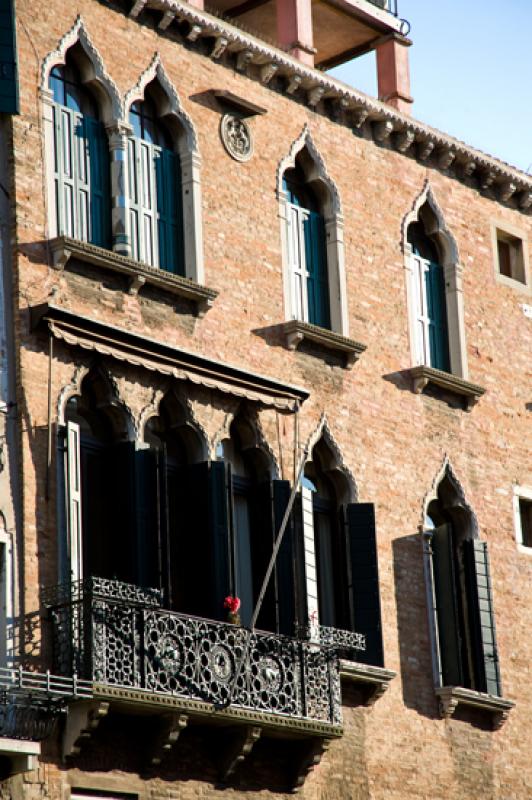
(232, 603)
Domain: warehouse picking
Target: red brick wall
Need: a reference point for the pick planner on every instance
(392, 440)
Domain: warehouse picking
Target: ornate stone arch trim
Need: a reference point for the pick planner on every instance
(95, 76)
(70, 390)
(156, 72)
(261, 443)
(317, 175)
(446, 471)
(153, 407)
(437, 229)
(93, 73)
(323, 431)
(75, 388)
(171, 109)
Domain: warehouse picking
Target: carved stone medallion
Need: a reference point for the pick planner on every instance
(236, 137)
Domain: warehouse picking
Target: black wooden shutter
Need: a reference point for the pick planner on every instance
(9, 96)
(221, 547)
(363, 580)
(200, 543)
(290, 581)
(482, 617)
(147, 551)
(118, 461)
(163, 526)
(449, 638)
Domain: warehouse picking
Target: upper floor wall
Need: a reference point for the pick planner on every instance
(369, 182)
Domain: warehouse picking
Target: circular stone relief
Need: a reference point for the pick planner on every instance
(236, 137)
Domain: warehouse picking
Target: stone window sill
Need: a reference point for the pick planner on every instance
(371, 681)
(450, 697)
(22, 755)
(424, 376)
(296, 332)
(137, 274)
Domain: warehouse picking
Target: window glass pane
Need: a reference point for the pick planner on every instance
(505, 263)
(134, 120)
(56, 84)
(73, 100)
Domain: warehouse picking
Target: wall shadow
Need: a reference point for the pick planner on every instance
(412, 626)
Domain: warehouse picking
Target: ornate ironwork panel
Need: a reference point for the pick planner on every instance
(126, 639)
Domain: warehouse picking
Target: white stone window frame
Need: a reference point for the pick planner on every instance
(113, 114)
(319, 178)
(95, 77)
(171, 111)
(520, 493)
(498, 226)
(452, 270)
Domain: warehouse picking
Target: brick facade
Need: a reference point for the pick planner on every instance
(393, 441)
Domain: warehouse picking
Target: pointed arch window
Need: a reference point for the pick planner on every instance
(307, 252)
(81, 159)
(314, 280)
(464, 618)
(154, 190)
(430, 309)
(340, 554)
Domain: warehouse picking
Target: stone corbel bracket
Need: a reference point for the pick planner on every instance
(296, 332)
(82, 720)
(171, 727)
(423, 376)
(311, 755)
(137, 274)
(450, 697)
(506, 184)
(239, 746)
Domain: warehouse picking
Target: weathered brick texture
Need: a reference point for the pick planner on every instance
(391, 440)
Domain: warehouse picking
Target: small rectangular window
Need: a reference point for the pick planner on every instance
(510, 257)
(525, 516)
(522, 502)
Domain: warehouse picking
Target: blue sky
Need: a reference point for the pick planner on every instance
(470, 72)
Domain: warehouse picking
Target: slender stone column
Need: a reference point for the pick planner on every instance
(393, 73)
(192, 217)
(118, 134)
(294, 29)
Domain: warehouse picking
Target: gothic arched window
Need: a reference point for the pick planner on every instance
(155, 204)
(307, 251)
(431, 331)
(81, 159)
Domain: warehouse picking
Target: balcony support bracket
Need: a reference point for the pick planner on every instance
(82, 720)
(311, 756)
(171, 727)
(240, 745)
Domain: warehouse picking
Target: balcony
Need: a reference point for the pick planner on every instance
(121, 638)
(140, 658)
(341, 29)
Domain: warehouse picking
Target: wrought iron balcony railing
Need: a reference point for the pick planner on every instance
(117, 634)
(31, 702)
